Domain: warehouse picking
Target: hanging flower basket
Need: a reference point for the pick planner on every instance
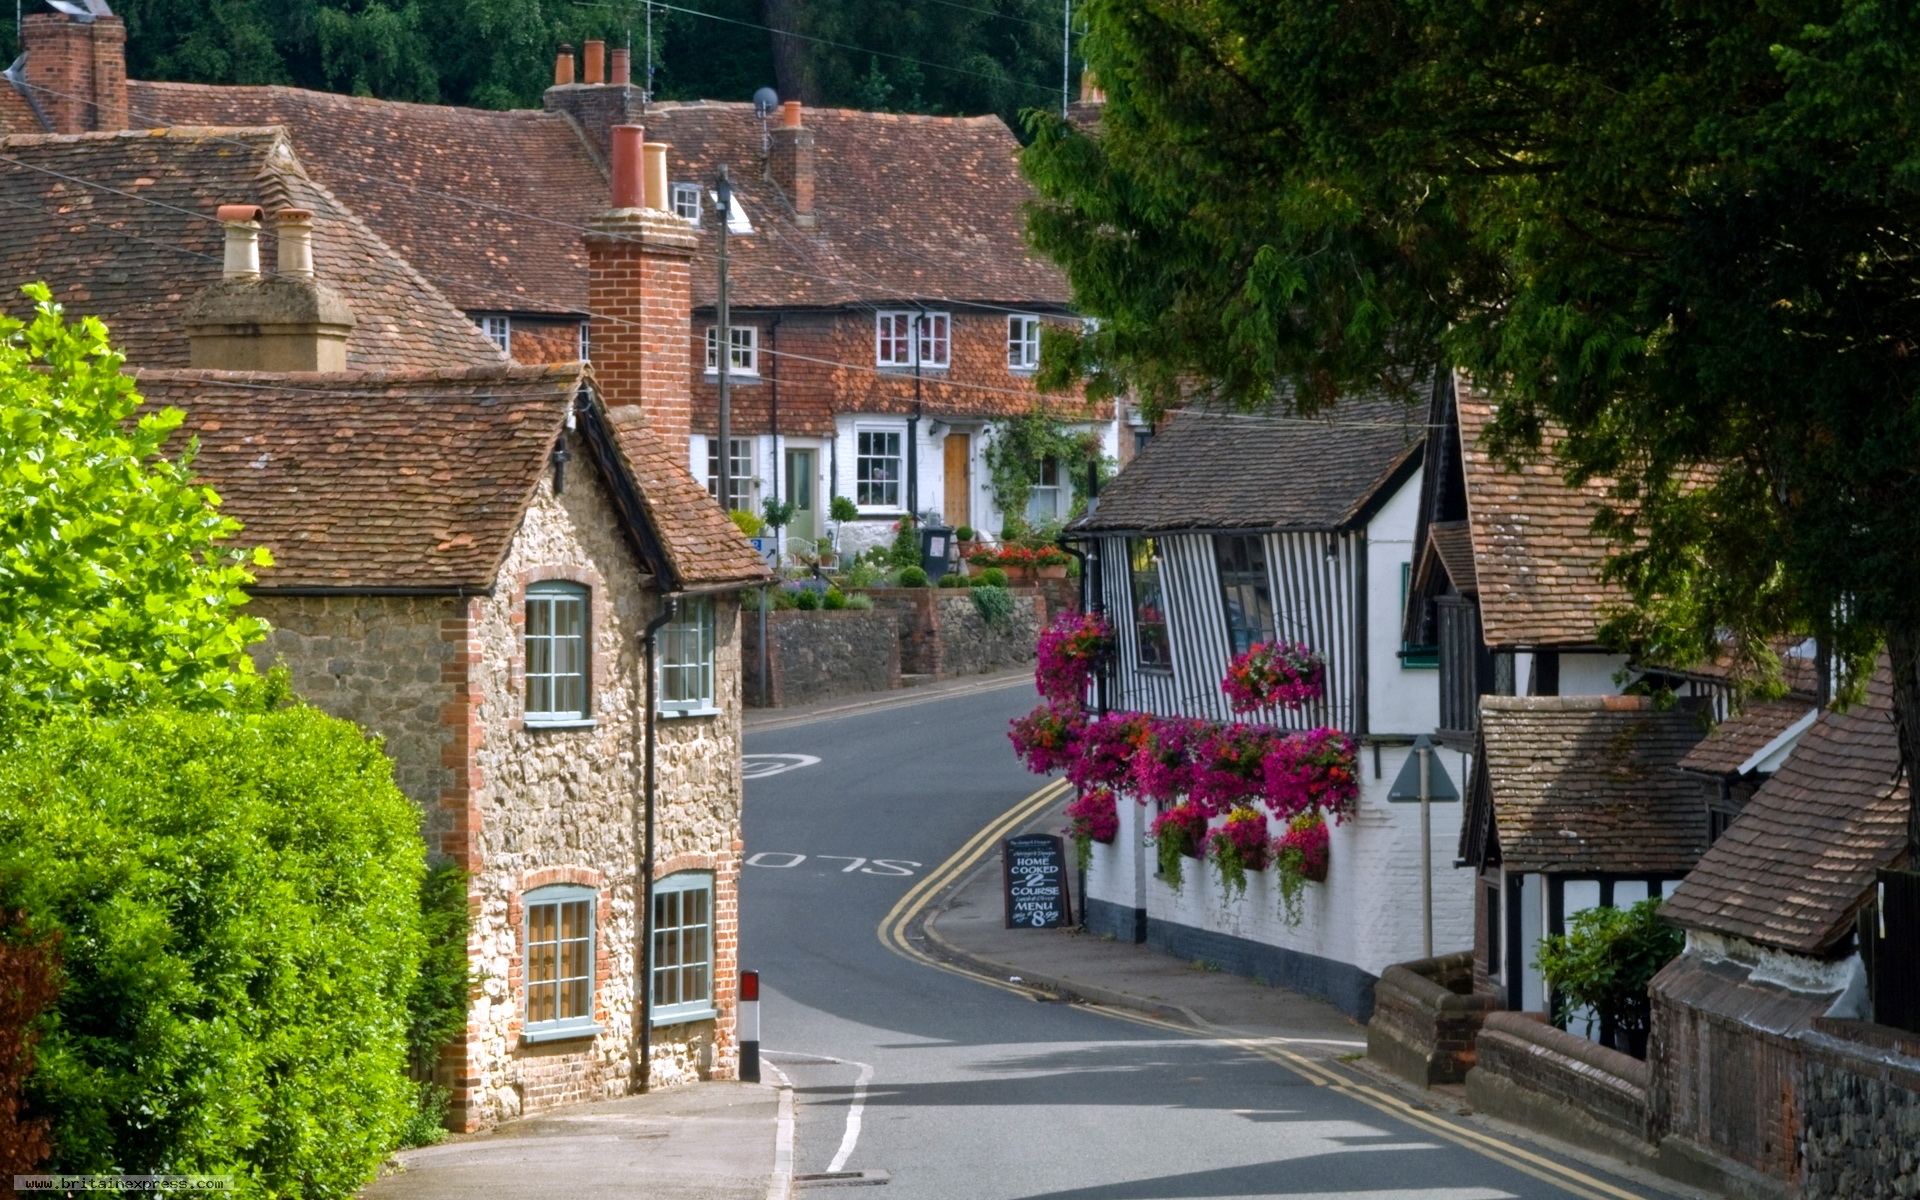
(1306, 846)
(1107, 750)
(1179, 833)
(1066, 653)
(1312, 770)
(1274, 675)
(1093, 816)
(1238, 846)
(1163, 769)
(1227, 766)
(1046, 741)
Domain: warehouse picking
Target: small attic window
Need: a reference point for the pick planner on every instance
(686, 201)
(500, 331)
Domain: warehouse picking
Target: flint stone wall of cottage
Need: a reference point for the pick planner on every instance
(441, 680)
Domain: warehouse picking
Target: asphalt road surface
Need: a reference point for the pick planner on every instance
(961, 1091)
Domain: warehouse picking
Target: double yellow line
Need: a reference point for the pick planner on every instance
(893, 935)
(893, 927)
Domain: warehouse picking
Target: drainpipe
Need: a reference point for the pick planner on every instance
(644, 1008)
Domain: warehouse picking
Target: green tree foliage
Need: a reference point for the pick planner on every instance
(437, 1005)
(237, 902)
(1680, 234)
(115, 588)
(1604, 962)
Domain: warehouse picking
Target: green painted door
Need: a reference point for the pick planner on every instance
(800, 490)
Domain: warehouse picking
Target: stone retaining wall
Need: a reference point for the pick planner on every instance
(819, 655)
(1425, 1019)
(1561, 1084)
(1860, 1111)
(943, 635)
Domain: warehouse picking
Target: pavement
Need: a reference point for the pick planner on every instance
(705, 1141)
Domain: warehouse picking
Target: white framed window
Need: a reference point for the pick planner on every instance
(895, 343)
(745, 358)
(739, 473)
(686, 659)
(556, 652)
(1023, 343)
(878, 468)
(586, 343)
(560, 961)
(686, 201)
(499, 331)
(1043, 499)
(681, 962)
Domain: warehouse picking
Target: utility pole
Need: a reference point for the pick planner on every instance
(648, 97)
(723, 346)
(1066, 57)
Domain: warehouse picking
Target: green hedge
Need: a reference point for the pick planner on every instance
(238, 902)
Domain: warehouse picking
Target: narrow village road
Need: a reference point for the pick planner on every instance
(962, 1091)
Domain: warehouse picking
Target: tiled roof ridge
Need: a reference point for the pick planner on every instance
(343, 97)
(746, 107)
(206, 133)
(506, 372)
(1567, 703)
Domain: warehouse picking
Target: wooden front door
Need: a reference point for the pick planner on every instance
(958, 509)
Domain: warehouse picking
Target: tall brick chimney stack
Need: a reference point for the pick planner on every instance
(790, 158)
(77, 70)
(640, 291)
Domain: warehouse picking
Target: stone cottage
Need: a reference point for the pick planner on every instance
(520, 589)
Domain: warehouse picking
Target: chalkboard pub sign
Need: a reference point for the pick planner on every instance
(1036, 874)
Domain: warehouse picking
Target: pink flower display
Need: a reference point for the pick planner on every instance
(1093, 817)
(1305, 846)
(1065, 656)
(1108, 747)
(1163, 767)
(1312, 770)
(1274, 675)
(1046, 741)
(1239, 845)
(1179, 833)
(1227, 766)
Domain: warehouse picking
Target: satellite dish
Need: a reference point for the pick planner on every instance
(765, 101)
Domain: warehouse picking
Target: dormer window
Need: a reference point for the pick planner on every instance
(556, 646)
(686, 201)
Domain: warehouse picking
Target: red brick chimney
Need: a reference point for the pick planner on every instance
(790, 161)
(76, 70)
(640, 291)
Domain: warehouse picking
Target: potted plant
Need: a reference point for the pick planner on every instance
(1179, 833)
(841, 510)
(1094, 816)
(1303, 859)
(1051, 563)
(965, 542)
(1238, 846)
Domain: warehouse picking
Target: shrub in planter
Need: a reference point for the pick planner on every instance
(1093, 816)
(991, 577)
(953, 581)
(238, 904)
(1044, 740)
(834, 601)
(1604, 962)
(913, 577)
(1237, 846)
(1303, 859)
(1178, 833)
(806, 600)
(963, 534)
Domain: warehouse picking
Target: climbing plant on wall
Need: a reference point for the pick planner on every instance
(1020, 446)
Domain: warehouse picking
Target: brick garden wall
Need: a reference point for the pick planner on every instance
(1531, 1073)
(942, 633)
(1425, 1018)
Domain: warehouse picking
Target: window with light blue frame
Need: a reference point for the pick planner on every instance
(560, 961)
(556, 646)
(682, 958)
(686, 660)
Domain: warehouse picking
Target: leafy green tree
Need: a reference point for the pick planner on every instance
(1604, 962)
(115, 588)
(1677, 237)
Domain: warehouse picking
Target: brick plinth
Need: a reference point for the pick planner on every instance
(640, 291)
(78, 72)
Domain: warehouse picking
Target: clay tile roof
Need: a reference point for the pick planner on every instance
(1794, 868)
(361, 481)
(1216, 471)
(705, 548)
(122, 225)
(1586, 784)
(1453, 542)
(1737, 738)
(1537, 561)
(487, 205)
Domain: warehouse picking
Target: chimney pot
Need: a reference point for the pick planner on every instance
(629, 189)
(596, 61)
(657, 177)
(295, 229)
(622, 67)
(242, 223)
(563, 66)
(790, 114)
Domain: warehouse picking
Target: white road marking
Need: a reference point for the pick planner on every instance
(879, 866)
(761, 766)
(797, 860)
(853, 1119)
(853, 864)
(1438, 1193)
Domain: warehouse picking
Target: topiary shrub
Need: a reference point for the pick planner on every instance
(840, 508)
(806, 600)
(913, 577)
(953, 581)
(905, 550)
(992, 577)
(834, 601)
(964, 533)
(238, 903)
(1604, 962)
